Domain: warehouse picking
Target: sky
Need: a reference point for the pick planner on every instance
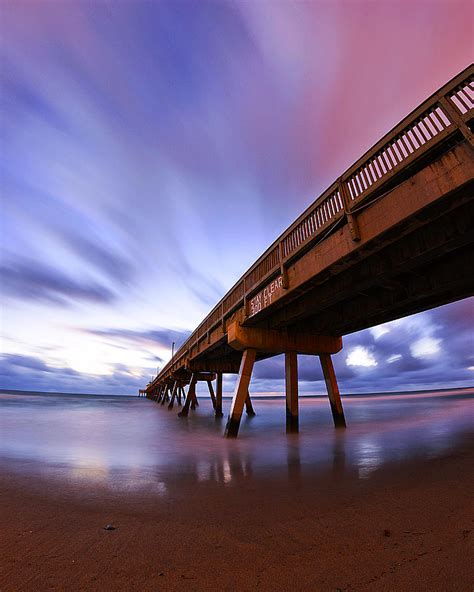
(151, 151)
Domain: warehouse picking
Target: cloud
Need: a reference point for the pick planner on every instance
(272, 371)
(154, 150)
(361, 356)
(425, 347)
(34, 281)
(379, 330)
(394, 358)
(110, 264)
(405, 372)
(434, 349)
(161, 337)
(19, 372)
(29, 362)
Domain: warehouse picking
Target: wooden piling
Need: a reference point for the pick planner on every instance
(173, 394)
(291, 380)
(248, 406)
(158, 393)
(218, 407)
(165, 396)
(240, 393)
(194, 400)
(333, 391)
(211, 392)
(190, 396)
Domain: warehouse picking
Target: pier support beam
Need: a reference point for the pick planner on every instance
(158, 393)
(173, 394)
(211, 392)
(248, 406)
(240, 393)
(291, 380)
(333, 391)
(165, 394)
(190, 396)
(218, 407)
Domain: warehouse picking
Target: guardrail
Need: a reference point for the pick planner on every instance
(445, 112)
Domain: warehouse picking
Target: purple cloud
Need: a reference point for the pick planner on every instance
(154, 150)
(19, 372)
(30, 280)
(396, 367)
(161, 337)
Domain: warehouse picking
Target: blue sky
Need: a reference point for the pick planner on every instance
(152, 151)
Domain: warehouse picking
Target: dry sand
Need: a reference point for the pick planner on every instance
(409, 527)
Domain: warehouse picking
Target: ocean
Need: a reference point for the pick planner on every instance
(132, 443)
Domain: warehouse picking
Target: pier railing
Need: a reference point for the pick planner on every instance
(443, 114)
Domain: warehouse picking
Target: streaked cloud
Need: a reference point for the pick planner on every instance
(425, 347)
(25, 279)
(379, 331)
(394, 358)
(30, 373)
(154, 150)
(161, 337)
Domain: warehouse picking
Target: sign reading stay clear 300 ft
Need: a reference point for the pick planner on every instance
(266, 296)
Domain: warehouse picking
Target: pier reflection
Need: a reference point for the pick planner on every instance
(131, 444)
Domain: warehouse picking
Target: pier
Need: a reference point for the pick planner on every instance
(392, 236)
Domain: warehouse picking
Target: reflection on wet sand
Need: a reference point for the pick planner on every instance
(131, 444)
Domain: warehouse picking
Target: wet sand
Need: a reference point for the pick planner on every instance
(362, 514)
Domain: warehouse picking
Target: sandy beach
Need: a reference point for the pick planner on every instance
(408, 526)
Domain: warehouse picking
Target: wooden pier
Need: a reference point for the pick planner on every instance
(390, 237)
